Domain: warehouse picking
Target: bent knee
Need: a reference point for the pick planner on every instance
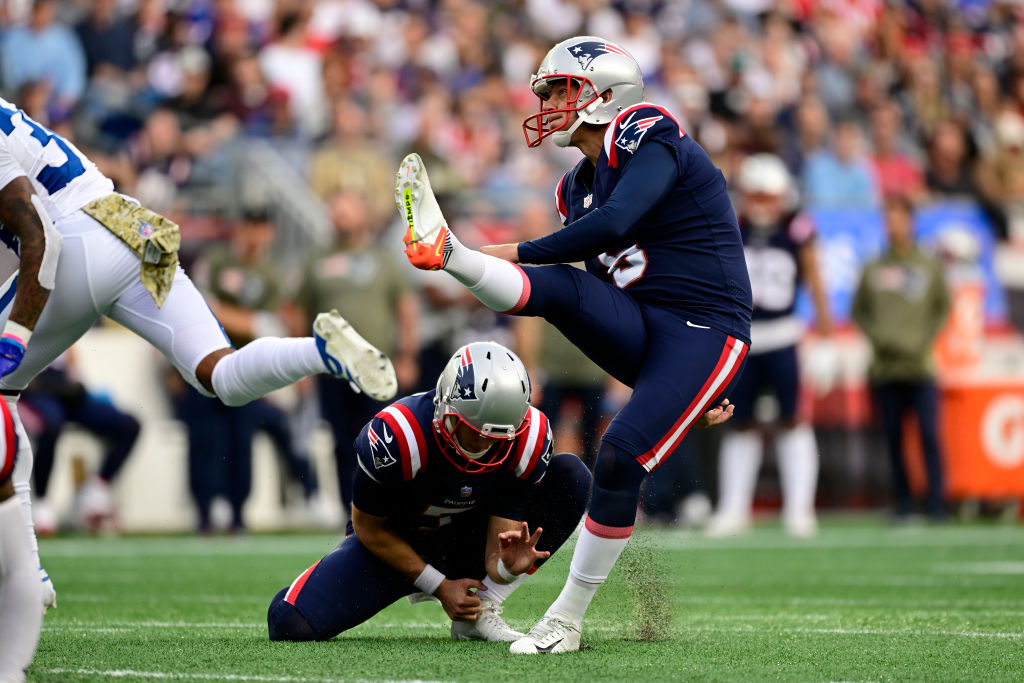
(284, 622)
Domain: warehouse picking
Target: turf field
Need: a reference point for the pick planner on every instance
(862, 602)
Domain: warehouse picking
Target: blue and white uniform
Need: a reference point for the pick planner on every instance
(97, 274)
(440, 510)
(773, 260)
(666, 305)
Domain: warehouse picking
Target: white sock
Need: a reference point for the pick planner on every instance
(497, 283)
(21, 477)
(499, 592)
(738, 464)
(798, 471)
(592, 559)
(263, 366)
(21, 615)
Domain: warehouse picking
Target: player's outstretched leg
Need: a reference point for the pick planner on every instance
(430, 245)
(270, 363)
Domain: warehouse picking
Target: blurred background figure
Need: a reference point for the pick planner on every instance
(55, 400)
(780, 249)
(244, 288)
(364, 283)
(901, 304)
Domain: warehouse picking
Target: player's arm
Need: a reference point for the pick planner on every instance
(22, 213)
(650, 174)
(808, 255)
(380, 539)
(511, 549)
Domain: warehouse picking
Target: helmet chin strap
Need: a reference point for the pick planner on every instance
(563, 137)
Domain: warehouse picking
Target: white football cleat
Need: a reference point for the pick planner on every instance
(348, 356)
(721, 526)
(488, 626)
(801, 527)
(553, 633)
(49, 592)
(427, 241)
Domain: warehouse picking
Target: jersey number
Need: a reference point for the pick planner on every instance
(773, 278)
(53, 178)
(439, 516)
(625, 267)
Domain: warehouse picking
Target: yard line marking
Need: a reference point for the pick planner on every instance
(852, 602)
(182, 676)
(861, 632)
(1003, 567)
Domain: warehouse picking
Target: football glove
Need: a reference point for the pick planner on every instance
(12, 351)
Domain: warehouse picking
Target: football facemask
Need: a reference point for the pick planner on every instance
(484, 395)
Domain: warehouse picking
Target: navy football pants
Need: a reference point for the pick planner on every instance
(776, 371)
(349, 585)
(677, 368)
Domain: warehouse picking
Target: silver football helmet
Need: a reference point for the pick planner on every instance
(588, 66)
(485, 387)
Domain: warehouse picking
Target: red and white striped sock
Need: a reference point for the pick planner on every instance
(597, 551)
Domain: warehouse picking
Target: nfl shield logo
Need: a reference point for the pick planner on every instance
(146, 229)
(588, 200)
(466, 491)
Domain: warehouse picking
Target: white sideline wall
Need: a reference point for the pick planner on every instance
(151, 491)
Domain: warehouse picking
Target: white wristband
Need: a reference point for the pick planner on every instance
(429, 580)
(504, 573)
(18, 332)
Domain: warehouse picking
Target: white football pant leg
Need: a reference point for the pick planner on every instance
(797, 452)
(738, 463)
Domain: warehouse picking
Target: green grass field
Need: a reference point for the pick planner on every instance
(862, 602)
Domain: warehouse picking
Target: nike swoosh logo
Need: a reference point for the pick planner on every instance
(625, 124)
(699, 327)
(550, 647)
(388, 438)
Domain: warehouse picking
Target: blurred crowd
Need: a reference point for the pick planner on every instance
(864, 100)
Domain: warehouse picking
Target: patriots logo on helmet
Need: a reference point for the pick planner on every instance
(381, 457)
(631, 131)
(589, 50)
(464, 387)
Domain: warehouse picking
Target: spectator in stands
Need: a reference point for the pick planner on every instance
(107, 39)
(955, 172)
(366, 285)
(900, 305)
(840, 177)
(352, 160)
(896, 171)
(44, 50)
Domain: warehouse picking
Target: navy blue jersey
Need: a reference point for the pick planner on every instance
(685, 253)
(404, 476)
(773, 261)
